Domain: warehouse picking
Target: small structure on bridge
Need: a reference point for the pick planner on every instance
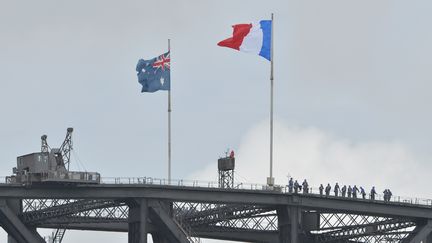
(226, 170)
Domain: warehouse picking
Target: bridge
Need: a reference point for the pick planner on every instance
(185, 211)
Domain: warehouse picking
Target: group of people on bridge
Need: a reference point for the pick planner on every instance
(344, 191)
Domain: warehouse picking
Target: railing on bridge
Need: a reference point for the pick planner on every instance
(251, 186)
(186, 183)
(244, 186)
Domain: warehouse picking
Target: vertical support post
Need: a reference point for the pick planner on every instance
(16, 207)
(283, 224)
(143, 221)
(169, 121)
(294, 216)
(157, 238)
(270, 180)
(138, 229)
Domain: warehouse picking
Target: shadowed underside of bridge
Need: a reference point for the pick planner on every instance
(185, 214)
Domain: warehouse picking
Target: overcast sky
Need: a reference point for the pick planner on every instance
(352, 90)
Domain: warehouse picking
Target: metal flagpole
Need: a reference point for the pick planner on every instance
(169, 121)
(270, 180)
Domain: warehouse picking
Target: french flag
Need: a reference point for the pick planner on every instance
(252, 38)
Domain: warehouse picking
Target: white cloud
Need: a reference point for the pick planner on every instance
(321, 157)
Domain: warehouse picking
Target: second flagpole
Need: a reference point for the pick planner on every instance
(270, 180)
(169, 120)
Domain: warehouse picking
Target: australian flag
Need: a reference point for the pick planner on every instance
(154, 74)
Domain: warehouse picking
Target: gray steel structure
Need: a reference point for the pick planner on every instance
(49, 166)
(226, 167)
(183, 213)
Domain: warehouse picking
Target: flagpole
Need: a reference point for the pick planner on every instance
(270, 180)
(169, 123)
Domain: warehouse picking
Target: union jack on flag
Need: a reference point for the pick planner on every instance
(162, 61)
(154, 74)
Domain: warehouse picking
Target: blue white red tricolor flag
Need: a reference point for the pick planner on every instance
(252, 38)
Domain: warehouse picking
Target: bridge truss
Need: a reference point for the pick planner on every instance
(184, 216)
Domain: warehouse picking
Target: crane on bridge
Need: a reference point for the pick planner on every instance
(51, 165)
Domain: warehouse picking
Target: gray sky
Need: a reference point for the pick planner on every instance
(352, 84)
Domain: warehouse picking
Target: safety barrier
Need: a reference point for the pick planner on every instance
(245, 186)
(254, 186)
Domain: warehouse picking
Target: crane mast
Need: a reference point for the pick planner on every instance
(66, 148)
(44, 144)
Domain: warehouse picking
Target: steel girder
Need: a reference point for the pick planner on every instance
(337, 224)
(13, 225)
(160, 216)
(334, 227)
(370, 229)
(58, 208)
(218, 196)
(236, 234)
(234, 216)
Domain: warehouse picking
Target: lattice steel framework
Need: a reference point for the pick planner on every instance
(194, 217)
(231, 216)
(226, 178)
(66, 147)
(339, 227)
(41, 210)
(226, 171)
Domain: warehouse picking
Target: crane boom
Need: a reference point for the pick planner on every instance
(66, 147)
